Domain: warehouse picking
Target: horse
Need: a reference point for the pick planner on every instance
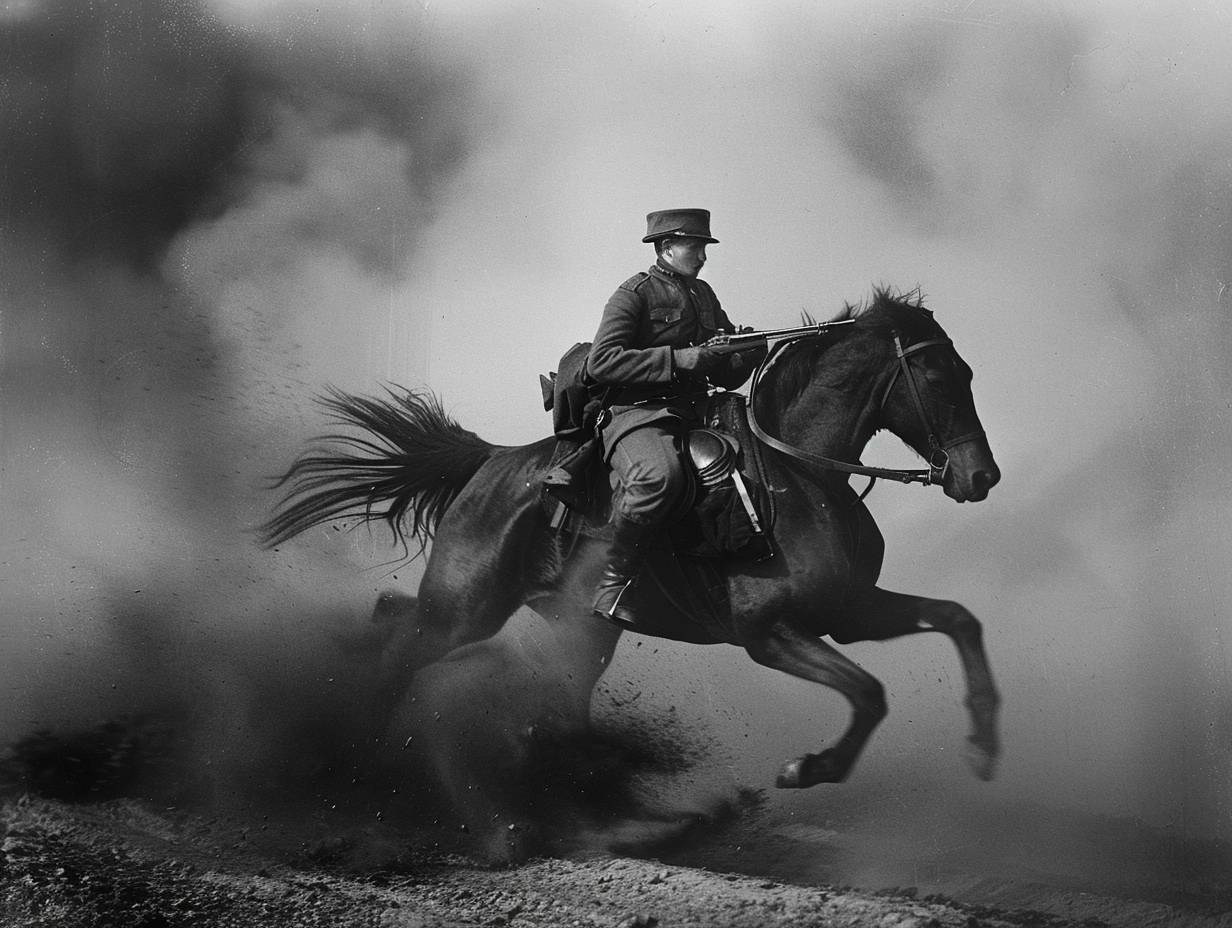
(815, 402)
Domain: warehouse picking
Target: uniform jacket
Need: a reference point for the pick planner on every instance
(651, 314)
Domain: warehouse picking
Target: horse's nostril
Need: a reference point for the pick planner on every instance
(985, 480)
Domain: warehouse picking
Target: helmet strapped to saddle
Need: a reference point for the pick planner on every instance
(713, 455)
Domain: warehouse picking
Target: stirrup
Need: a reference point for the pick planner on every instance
(615, 608)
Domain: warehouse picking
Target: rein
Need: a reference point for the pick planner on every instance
(939, 457)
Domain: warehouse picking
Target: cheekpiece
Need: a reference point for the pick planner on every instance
(679, 223)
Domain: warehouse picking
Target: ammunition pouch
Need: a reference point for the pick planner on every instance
(573, 399)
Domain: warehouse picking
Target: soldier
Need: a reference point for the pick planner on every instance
(650, 353)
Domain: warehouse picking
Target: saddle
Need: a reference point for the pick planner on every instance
(729, 516)
(726, 509)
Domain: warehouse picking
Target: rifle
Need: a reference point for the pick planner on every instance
(728, 342)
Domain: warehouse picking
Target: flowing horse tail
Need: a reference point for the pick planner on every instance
(413, 461)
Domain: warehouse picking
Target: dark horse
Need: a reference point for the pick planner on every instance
(816, 405)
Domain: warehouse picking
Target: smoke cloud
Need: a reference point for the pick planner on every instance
(209, 211)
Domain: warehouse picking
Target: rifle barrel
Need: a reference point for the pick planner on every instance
(816, 328)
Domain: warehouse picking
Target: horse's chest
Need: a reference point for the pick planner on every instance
(828, 544)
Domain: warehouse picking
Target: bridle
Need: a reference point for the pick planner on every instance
(939, 454)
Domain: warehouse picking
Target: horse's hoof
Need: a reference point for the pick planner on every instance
(790, 776)
(982, 759)
(811, 769)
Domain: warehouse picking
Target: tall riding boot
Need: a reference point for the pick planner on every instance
(630, 543)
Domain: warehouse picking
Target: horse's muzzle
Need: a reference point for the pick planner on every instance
(984, 480)
(972, 472)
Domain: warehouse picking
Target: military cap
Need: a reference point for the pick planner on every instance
(680, 223)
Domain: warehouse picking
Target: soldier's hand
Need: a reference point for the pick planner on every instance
(697, 360)
(751, 356)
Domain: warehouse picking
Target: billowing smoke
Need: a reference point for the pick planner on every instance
(212, 210)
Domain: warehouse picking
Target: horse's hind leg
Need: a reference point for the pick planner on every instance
(788, 649)
(882, 615)
(474, 582)
(471, 602)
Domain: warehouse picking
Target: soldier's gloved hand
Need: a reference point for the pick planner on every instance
(750, 357)
(697, 361)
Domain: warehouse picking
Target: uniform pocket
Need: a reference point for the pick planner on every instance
(663, 316)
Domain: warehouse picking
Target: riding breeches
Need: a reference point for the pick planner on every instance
(649, 482)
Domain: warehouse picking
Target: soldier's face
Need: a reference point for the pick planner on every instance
(685, 255)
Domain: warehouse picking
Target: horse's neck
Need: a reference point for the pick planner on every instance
(827, 422)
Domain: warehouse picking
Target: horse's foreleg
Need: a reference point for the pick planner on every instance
(983, 702)
(884, 615)
(791, 651)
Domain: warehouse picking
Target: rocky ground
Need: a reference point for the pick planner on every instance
(109, 828)
(123, 863)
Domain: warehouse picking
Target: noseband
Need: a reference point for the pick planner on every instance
(939, 454)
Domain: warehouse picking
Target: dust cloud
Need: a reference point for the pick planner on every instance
(204, 221)
(212, 210)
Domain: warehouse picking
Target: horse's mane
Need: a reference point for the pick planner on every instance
(885, 300)
(887, 310)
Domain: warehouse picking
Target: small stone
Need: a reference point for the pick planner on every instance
(640, 920)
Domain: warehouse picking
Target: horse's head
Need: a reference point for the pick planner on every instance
(924, 390)
(894, 368)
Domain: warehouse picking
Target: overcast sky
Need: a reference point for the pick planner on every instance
(209, 212)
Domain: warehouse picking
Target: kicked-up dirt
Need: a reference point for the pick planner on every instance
(136, 823)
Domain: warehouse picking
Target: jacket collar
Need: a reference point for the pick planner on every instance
(689, 286)
(664, 271)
